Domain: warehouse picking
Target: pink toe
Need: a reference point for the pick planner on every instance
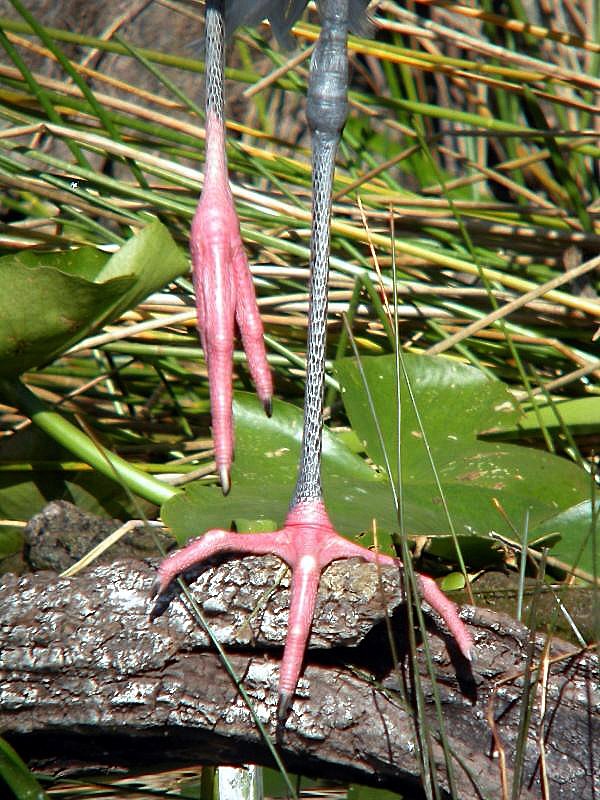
(305, 584)
(196, 551)
(251, 329)
(448, 611)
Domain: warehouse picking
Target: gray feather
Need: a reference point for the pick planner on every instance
(283, 14)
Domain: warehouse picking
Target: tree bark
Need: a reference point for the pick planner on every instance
(88, 680)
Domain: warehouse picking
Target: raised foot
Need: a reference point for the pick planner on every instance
(307, 543)
(224, 297)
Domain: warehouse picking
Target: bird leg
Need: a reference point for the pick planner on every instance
(222, 281)
(308, 542)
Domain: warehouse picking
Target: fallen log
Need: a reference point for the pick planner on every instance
(87, 679)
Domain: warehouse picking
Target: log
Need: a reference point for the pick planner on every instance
(88, 680)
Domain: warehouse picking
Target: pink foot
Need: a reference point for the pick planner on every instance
(224, 296)
(307, 543)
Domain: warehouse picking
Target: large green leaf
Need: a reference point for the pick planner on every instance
(264, 476)
(50, 301)
(456, 401)
(580, 415)
(579, 544)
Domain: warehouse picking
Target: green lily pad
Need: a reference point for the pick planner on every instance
(456, 401)
(580, 415)
(50, 301)
(264, 477)
(579, 529)
(357, 792)
(453, 582)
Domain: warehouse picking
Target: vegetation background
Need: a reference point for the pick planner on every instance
(465, 232)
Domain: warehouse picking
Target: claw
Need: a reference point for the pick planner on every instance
(284, 703)
(225, 481)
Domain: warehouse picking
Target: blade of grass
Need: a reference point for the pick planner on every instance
(17, 777)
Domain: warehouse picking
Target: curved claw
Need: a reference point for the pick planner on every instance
(284, 703)
(224, 479)
(224, 295)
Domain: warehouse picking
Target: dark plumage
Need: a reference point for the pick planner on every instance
(283, 14)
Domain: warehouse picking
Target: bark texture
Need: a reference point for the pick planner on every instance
(87, 679)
